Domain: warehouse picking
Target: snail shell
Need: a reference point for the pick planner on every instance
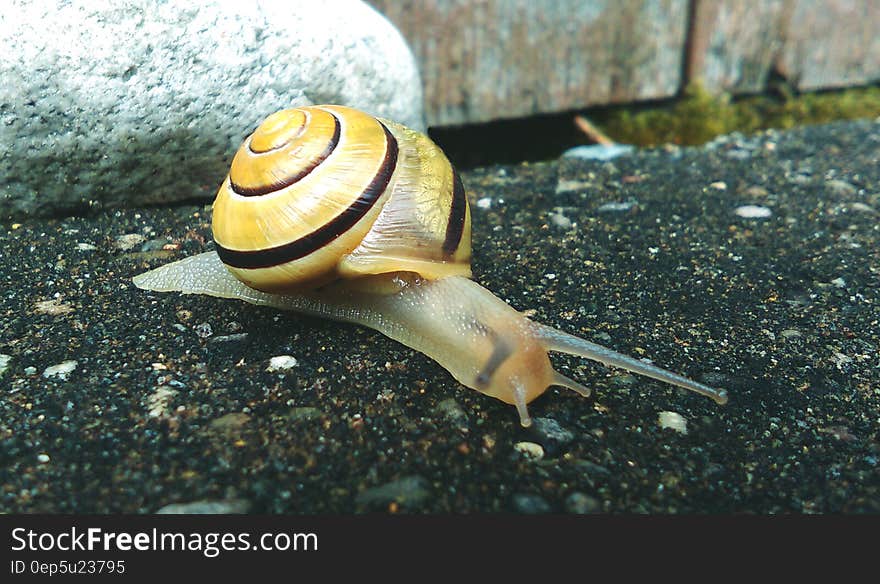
(321, 193)
(331, 212)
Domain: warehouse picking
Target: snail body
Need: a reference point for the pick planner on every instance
(330, 212)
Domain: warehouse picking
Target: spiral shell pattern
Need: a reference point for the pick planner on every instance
(326, 192)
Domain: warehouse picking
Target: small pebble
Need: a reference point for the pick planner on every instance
(85, 247)
(839, 282)
(549, 429)
(561, 221)
(757, 191)
(203, 330)
(410, 491)
(617, 207)
(54, 307)
(674, 421)
(601, 152)
(863, 208)
(229, 338)
(841, 187)
(159, 400)
(61, 371)
(719, 185)
(129, 241)
(582, 504)
(206, 507)
(530, 450)
(530, 503)
(154, 245)
(753, 211)
(569, 186)
(452, 411)
(282, 363)
(30, 370)
(4, 363)
(232, 421)
(484, 203)
(43, 458)
(303, 414)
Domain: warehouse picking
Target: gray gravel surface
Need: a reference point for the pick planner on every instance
(750, 263)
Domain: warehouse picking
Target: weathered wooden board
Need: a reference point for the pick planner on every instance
(831, 43)
(492, 59)
(733, 44)
(489, 59)
(814, 44)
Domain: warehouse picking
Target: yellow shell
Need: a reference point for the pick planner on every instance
(326, 192)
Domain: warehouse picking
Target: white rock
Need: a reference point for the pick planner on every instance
(61, 371)
(159, 401)
(206, 507)
(282, 363)
(616, 207)
(600, 152)
(4, 363)
(128, 241)
(673, 421)
(112, 102)
(530, 450)
(753, 211)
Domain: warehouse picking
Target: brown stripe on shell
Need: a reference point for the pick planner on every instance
(286, 181)
(457, 214)
(299, 248)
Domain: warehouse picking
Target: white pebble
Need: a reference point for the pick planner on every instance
(560, 220)
(485, 203)
(43, 458)
(862, 207)
(602, 152)
(85, 247)
(719, 185)
(4, 363)
(839, 282)
(61, 371)
(530, 450)
(282, 363)
(129, 240)
(568, 185)
(159, 400)
(753, 212)
(616, 207)
(674, 421)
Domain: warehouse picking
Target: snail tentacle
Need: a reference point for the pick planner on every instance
(556, 340)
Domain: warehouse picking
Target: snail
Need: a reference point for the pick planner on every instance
(331, 212)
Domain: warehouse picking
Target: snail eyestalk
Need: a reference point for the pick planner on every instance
(562, 380)
(556, 340)
(519, 400)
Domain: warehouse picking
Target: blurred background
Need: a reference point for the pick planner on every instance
(515, 72)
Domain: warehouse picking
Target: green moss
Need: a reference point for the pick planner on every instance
(700, 115)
